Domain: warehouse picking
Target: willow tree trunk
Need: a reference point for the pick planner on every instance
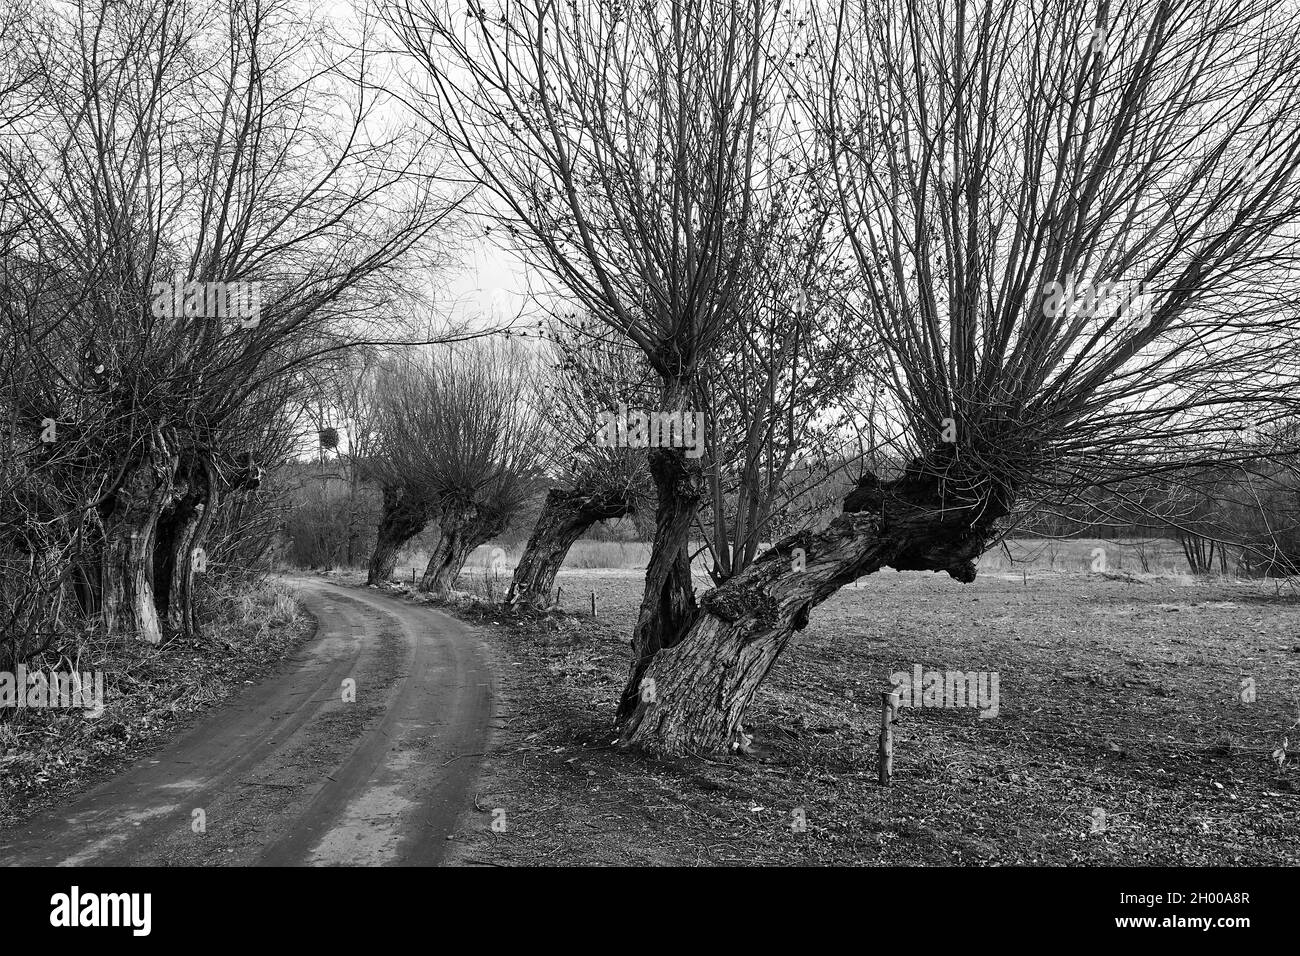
(703, 685)
(463, 528)
(181, 531)
(404, 516)
(668, 604)
(180, 610)
(566, 516)
(126, 562)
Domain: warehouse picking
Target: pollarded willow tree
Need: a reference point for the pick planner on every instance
(616, 147)
(1074, 224)
(586, 374)
(796, 348)
(195, 220)
(405, 511)
(458, 435)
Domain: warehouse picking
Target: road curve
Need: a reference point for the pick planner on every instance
(291, 773)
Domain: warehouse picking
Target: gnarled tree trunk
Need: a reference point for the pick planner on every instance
(463, 528)
(668, 604)
(404, 516)
(181, 530)
(130, 527)
(704, 683)
(566, 516)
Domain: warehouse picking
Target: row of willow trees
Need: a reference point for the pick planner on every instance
(1017, 251)
(961, 165)
(465, 441)
(144, 146)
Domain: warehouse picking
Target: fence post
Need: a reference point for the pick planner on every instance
(888, 703)
(593, 603)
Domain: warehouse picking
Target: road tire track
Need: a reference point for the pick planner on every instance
(290, 773)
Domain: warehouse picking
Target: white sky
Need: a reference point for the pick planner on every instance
(487, 282)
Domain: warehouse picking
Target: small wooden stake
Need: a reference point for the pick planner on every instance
(593, 603)
(886, 764)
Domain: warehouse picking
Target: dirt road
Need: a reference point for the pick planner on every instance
(293, 772)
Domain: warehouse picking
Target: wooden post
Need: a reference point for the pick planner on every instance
(412, 575)
(593, 603)
(886, 762)
(559, 595)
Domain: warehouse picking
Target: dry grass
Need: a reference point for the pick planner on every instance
(583, 554)
(1119, 697)
(1139, 556)
(1123, 556)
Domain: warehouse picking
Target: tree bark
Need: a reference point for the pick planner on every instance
(704, 684)
(668, 605)
(566, 516)
(463, 528)
(181, 530)
(130, 527)
(404, 516)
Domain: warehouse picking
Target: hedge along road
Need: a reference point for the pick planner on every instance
(292, 773)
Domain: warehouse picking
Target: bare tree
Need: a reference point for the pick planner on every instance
(775, 391)
(405, 512)
(459, 441)
(586, 374)
(341, 407)
(615, 147)
(193, 149)
(998, 169)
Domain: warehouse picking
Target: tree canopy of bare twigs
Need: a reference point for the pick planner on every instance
(583, 374)
(159, 162)
(458, 434)
(629, 152)
(1074, 228)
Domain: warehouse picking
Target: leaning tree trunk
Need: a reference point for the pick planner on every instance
(566, 516)
(668, 603)
(404, 516)
(694, 695)
(126, 563)
(463, 528)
